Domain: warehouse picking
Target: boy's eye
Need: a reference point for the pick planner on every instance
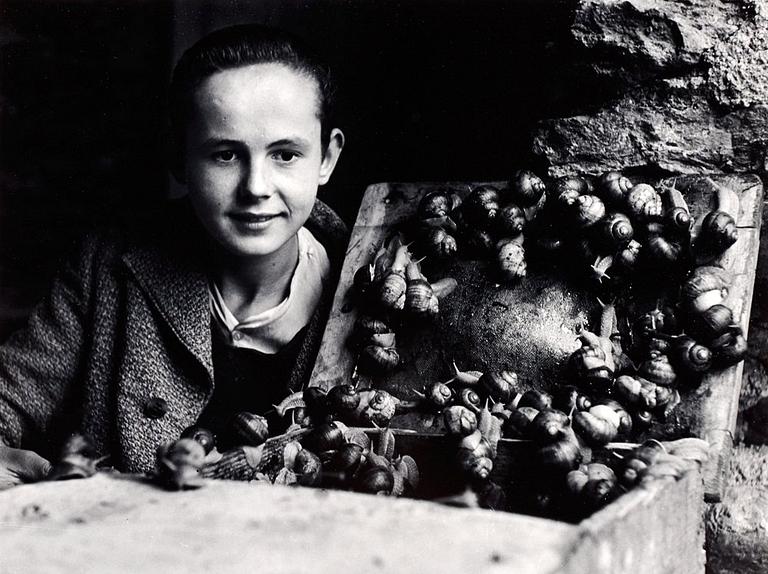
(225, 156)
(285, 156)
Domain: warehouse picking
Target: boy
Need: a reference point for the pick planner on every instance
(217, 309)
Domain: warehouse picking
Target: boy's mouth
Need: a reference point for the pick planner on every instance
(253, 218)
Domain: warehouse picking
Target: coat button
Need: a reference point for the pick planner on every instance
(155, 408)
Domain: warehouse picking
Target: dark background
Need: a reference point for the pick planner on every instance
(431, 91)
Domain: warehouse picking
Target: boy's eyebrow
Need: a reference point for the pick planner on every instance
(292, 141)
(213, 142)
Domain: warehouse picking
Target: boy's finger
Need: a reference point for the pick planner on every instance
(30, 466)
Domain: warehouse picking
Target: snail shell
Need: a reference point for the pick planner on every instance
(689, 356)
(588, 365)
(625, 420)
(481, 206)
(470, 399)
(729, 348)
(568, 398)
(316, 402)
(707, 286)
(518, 421)
(589, 210)
(636, 392)
(177, 464)
(327, 436)
(718, 232)
(347, 459)
(549, 426)
(568, 188)
(510, 221)
(526, 188)
(392, 291)
(440, 244)
(376, 480)
(629, 254)
(561, 456)
(478, 241)
(500, 385)
(576, 480)
(343, 399)
(438, 203)
(201, 435)
(710, 324)
(644, 202)
(511, 260)
(379, 359)
(658, 369)
(380, 409)
(438, 394)
(476, 467)
(594, 430)
(418, 296)
(533, 398)
(614, 187)
(677, 222)
(642, 419)
(307, 467)
(460, 420)
(616, 229)
(250, 428)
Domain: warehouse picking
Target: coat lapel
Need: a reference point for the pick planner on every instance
(179, 292)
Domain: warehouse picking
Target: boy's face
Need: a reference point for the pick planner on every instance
(254, 158)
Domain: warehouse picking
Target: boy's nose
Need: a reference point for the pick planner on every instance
(256, 182)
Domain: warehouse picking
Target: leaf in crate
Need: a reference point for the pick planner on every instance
(286, 477)
(237, 464)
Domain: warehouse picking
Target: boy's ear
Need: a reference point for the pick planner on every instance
(331, 155)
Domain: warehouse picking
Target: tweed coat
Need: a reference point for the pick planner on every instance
(120, 350)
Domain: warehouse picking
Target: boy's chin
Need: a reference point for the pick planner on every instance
(263, 248)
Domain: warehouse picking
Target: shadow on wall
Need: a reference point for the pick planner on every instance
(431, 91)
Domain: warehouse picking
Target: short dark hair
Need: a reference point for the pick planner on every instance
(236, 47)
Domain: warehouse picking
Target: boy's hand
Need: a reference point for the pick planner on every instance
(18, 466)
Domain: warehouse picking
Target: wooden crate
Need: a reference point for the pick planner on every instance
(122, 524)
(477, 330)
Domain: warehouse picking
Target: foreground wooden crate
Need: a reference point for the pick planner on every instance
(532, 326)
(118, 523)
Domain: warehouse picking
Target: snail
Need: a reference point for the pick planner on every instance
(518, 421)
(729, 348)
(526, 188)
(707, 286)
(616, 229)
(628, 255)
(316, 402)
(636, 392)
(438, 203)
(470, 399)
(588, 209)
(663, 250)
(593, 485)
(478, 241)
(418, 292)
(711, 323)
(642, 419)
(589, 366)
(439, 243)
(510, 221)
(308, 468)
(718, 232)
(643, 202)
(568, 397)
(676, 219)
(343, 399)
(510, 255)
(613, 187)
(391, 295)
(598, 426)
(568, 189)
(460, 420)
(366, 326)
(78, 459)
(538, 400)
(639, 460)
(362, 282)
(177, 464)
(201, 435)
(481, 206)
(560, 456)
(658, 320)
(689, 356)
(324, 437)
(464, 378)
(249, 428)
(500, 385)
(380, 357)
(549, 426)
(437, 395)
(474, 466)
(658, 369)
(625, 420)
(379, 408)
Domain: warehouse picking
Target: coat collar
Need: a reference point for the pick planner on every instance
(176, 284)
